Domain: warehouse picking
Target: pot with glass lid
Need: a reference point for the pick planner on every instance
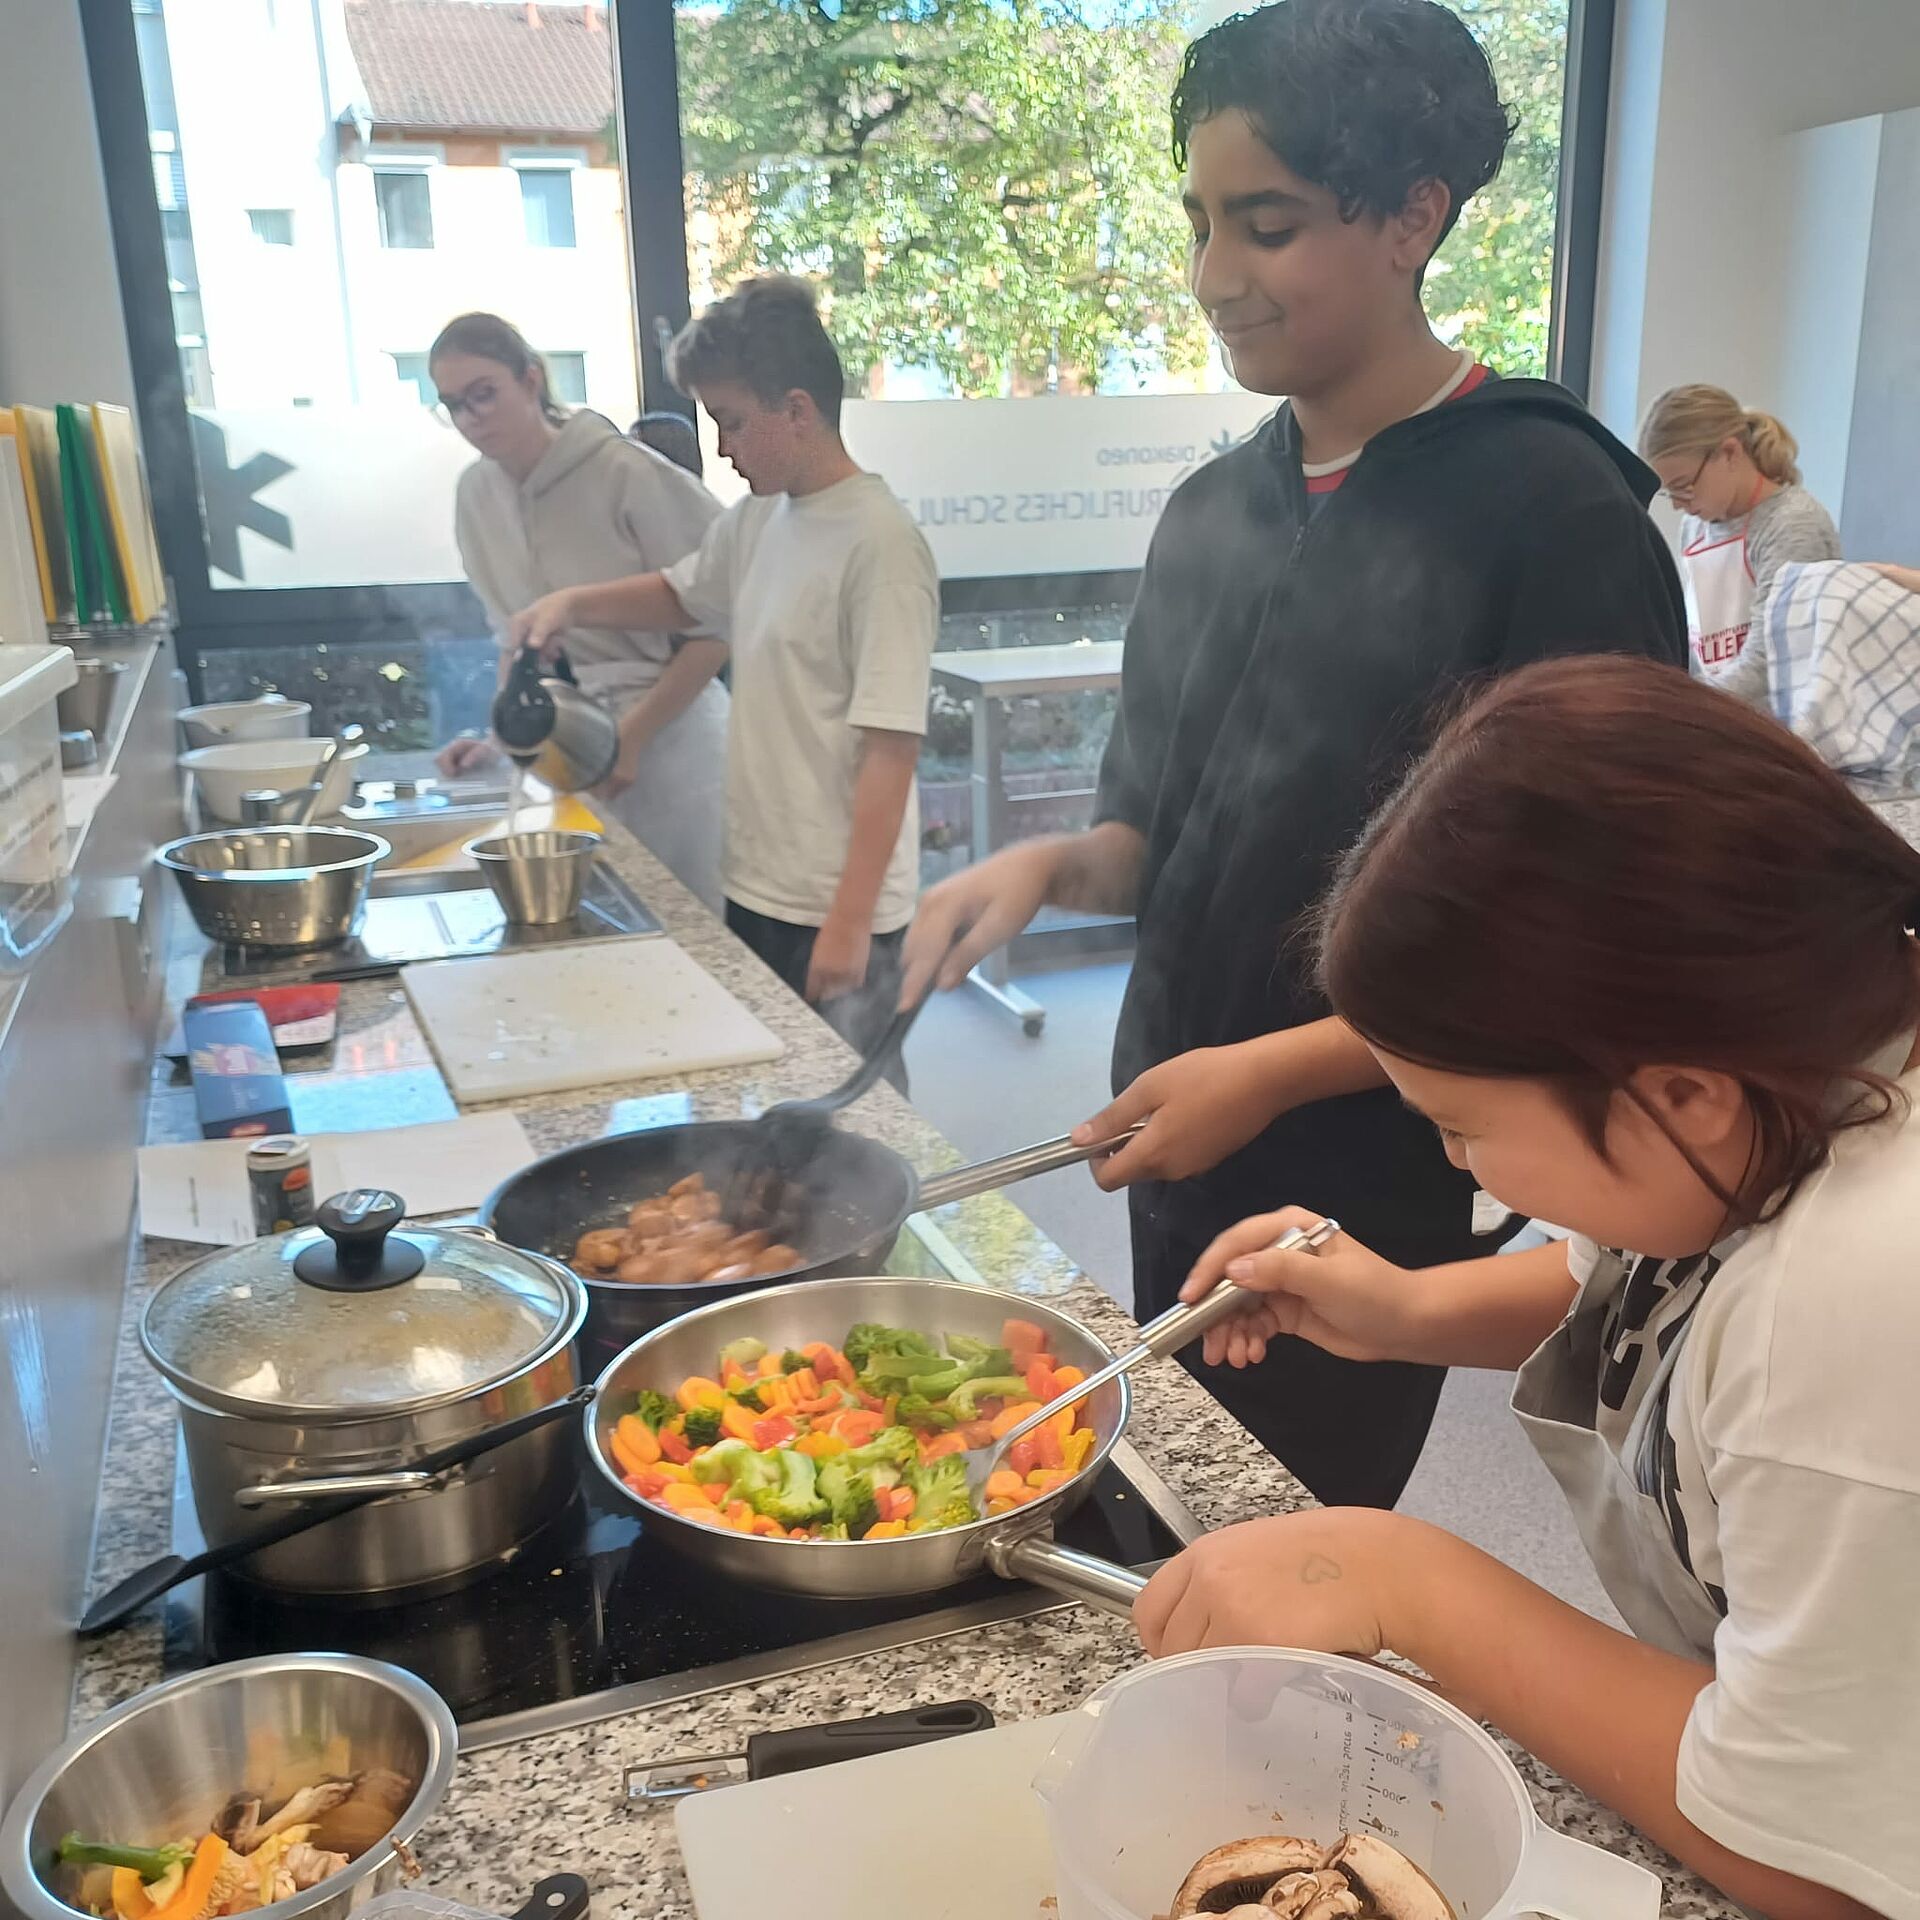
(331, 1360)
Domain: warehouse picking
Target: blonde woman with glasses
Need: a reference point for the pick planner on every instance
(559, 498)
(1732, 473)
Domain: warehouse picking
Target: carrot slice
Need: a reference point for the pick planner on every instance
(1010, 1417)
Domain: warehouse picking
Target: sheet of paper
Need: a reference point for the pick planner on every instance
(84, 792)
(197, 1190)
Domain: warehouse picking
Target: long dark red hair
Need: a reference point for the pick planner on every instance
(1601, 865)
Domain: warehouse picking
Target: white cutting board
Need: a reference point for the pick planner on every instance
(526, 1023)
(871, 1820)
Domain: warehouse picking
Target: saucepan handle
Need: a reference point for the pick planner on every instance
(985, 1175)
(1569, 1880)
(1042, 1561)
(270, 1493)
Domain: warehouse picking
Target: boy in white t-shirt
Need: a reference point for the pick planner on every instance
(828, 599)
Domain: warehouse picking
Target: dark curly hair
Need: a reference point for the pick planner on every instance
(1366, 98)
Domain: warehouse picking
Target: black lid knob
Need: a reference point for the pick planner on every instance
(358, 1254)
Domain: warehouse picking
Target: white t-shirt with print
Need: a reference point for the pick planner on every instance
(1789, 1467)
(830, 604)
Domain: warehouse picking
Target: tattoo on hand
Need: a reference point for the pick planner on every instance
(1318, 1568)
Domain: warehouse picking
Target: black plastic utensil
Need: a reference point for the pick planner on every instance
(122, 1601)
(787, 1131)
(560, 1896)
(794, 1749)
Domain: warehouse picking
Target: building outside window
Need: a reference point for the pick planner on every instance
(987, 203)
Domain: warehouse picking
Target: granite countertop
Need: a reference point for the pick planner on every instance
(555, 1801)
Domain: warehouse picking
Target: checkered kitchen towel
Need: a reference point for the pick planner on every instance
(1843, 669)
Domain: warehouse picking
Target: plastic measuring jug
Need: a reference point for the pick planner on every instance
(1177, 1758)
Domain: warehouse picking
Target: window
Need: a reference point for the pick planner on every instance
(410, 369)
(272, 226)
(546, 199)
(405, 203)
(567, 378)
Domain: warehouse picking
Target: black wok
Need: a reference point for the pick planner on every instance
(843, 1208)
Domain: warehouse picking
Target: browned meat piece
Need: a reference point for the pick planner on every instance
(601, 1250)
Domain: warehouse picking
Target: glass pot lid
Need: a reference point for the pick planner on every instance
(354, 1317)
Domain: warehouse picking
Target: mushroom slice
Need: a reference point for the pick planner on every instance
(238, 1822)
(1240, 1874)
(1313, 1896)
(1387, 1881)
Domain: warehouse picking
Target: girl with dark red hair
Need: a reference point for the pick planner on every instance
(1646, 964)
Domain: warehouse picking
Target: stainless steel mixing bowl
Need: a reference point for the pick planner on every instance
(161, 1766)
(538, 877)
(282, 887)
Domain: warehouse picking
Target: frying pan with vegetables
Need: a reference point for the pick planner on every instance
(1018, 1545)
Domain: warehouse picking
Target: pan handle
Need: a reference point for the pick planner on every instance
(1041, 1560)
(264, 1493)
(985, 1175)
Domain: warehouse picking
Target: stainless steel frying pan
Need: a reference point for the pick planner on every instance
(1018, 1545)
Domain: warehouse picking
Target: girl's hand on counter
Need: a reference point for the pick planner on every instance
(1340, 1295)
(1198, 1108)
(1323, 1580)
(466, 753)
(541, 625)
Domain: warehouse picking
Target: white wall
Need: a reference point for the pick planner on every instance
(1697, 260)
(62, 333)
(1828, 190)
(1881, 518)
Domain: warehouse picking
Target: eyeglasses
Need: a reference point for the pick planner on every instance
(476, 402)
(1681, 494)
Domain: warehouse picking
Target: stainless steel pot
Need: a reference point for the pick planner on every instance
(164, 1763)
(282, 887)
(1019, 1545)
(330, 1360)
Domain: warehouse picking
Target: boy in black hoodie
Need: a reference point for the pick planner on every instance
(1406, 523)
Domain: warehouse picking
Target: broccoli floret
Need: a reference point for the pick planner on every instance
(886, 1368)
(795, 1500)
(886, 1456)
(849, 1493)
(978, 1354)
(869, 1338)
(654, 1408)
(744, 1353)
(738, 1464)
(749, 1397)
(792, 1361)
(917, 1411)
(964, 1401)
(940, 1495)
(703, 1426)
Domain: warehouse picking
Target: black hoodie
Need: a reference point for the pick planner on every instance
(1281, 672)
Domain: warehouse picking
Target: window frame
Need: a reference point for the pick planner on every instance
(567, 161)
(647, 111)
(388, 161)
